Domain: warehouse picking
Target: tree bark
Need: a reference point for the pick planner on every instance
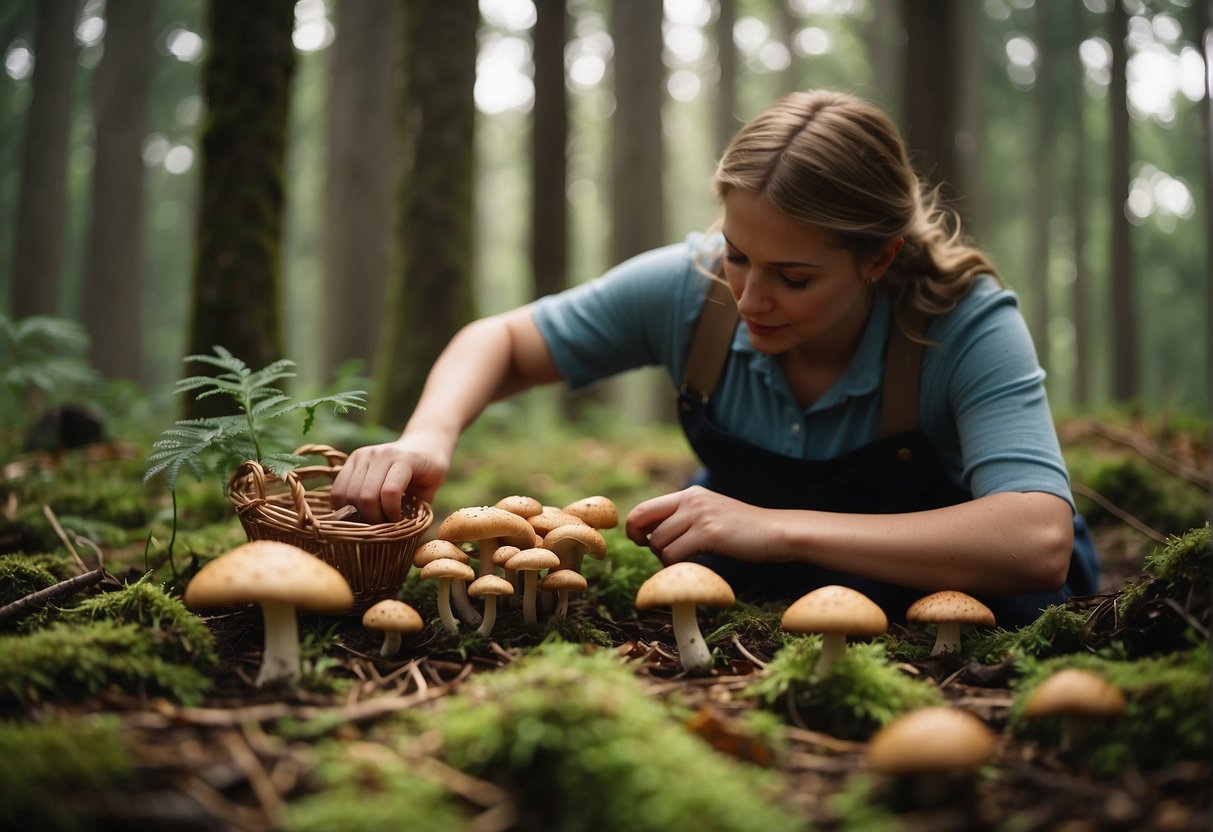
(361, 170)
(1080, 294)
(113, 265)
(429, 293)
(549, 162)
(725, 123)
(1124, 347)
(1042, 189)
(42, 205)
(237, 271)
(931, 90)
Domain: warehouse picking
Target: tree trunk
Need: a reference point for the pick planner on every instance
(113, 265)
(931, 91)
(42, 206)
(1205, 35)
(1042, 188)
(429, 293)
(1080, 294)
(1124, 319)
(237, 272)
(725, 123)
(361, 170)
(549, 137)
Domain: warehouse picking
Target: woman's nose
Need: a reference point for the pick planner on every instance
(753, 299)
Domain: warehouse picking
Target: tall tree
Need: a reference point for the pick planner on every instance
(1124, 347)
(549, 162)
(725, 122)
(113, 265)
(429, 293)
(1205, 40)
(1080, 289)
(1041, 213)
(360, 173)
(237, 270)
(931, 89)
(42, 205)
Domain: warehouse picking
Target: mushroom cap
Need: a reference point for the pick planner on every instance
(950, 605)
(566, 579)
(392, 616)
(520, 504)
(532, 560)
(835, 609)
(1075, 691)
(431, 550)
(930, 739)
(490, 585)
(574, 536)
(503, 554)
(485, 523)
(268, 570)
(447, 568)
(598, 511)
(551, 518)
(684, 583)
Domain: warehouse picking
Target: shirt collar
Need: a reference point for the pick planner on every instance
(862, 376)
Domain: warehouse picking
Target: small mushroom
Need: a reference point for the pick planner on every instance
(597, 511)
(572, 542)
(530, 562)
(683, 587)
(835, 612)
(430, 551)
(392, 618)
(1076, 696)
(562, 582)
(279, 577)
(520, 504)
(949, 609)
(552, 518)
(445, 570)
(489, 587)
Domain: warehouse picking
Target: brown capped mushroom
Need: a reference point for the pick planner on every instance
(562, 582)
(445, 570)
(529, 563)
(521, 505)
(949, 609)
(597, 511)
(431, 550)
(489, 527)
(572, 542)
(1076, 696)
(934, 739)
(683, 587)
(490, 588)
(835, 612)
(392, 618)
(551, 518)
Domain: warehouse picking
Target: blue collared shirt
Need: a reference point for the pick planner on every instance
(982, 401)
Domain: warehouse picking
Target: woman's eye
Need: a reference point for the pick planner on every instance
(733, 257)
(794, 281)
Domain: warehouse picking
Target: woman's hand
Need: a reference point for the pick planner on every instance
(375, 478)
(697, 521)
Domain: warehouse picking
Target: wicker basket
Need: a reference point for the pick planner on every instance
(374, 559)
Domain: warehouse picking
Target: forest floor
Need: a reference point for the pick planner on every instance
(242, 757)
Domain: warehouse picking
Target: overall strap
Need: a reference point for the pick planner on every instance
(711, 341)
(899, 391)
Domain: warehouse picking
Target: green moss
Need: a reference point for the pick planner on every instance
(21, 576)
(613, 581)
(67, 661)
(584, 748)
(1184, 562)
(1166, 503)
(862, 691)
(61, 763)
(1057, 631)
(1166, 718)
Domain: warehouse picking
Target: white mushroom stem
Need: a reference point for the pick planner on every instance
(693, 651)
(490, 615)
(280, 661)
(833, 645)
(391, 644)
(487, 547)
(530, 577)
(444, 606)
(947, 638)
(463, 605)
(562, 604)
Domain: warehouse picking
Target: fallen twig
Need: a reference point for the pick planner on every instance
(1150, 452)
(37, 600)
(1117, 512)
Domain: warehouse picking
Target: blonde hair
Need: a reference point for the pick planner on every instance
(838, 163)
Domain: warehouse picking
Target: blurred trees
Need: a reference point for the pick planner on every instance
(549, 155)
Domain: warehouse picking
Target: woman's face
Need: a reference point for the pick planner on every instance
(794, 290)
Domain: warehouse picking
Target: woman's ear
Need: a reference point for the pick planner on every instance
(880, 262)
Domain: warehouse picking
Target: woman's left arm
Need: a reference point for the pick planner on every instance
(1003, 543)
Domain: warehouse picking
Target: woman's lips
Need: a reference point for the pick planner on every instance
(760, 330)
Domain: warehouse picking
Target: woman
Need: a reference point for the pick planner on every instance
(862, 391)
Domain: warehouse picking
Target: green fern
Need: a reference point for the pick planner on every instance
(219, 443)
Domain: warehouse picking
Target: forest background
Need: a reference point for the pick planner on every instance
(345, 183)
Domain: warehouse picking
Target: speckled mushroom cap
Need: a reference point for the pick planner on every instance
(573, 537)
(447, 568)
(392, 616)
(835, 609)
(566, 579)
(950, 605)
(520, 504)
(533, 560)
(431, 550)
(598, 511)
(490, 585)
(1074, 691)
(267, 570)
(476, 523)
(930, 740)
(684, 583)
(552, 518)
(503, 554)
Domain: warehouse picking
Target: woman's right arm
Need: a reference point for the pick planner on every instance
(488, 359)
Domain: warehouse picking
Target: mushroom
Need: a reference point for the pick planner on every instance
(430, 551)
(572, 542)
(597, 511)
(280, 577)
(552, 518)
(682, 587)
(934, 739)
(529, 562)
(489, 587)
(1076, 696)
(489, 527)
(835, 612)
(392, 618)
(445, 570)
(563, 581)
(521, 505)
(949, 609)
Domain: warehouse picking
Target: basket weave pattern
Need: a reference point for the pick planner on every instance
(373, 558)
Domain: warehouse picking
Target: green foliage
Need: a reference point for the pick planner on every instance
(220, 443)
(1166, 718)
(51, 768)
(67, 662)
(861, 692)
(44, 354)
(1184, 563)
(1161, 501)
(615, 580)
(584, 748)
(750, 624)
(1056, 631)
(21, 576)
(365, 787)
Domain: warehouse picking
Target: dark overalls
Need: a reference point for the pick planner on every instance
(899, 472)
